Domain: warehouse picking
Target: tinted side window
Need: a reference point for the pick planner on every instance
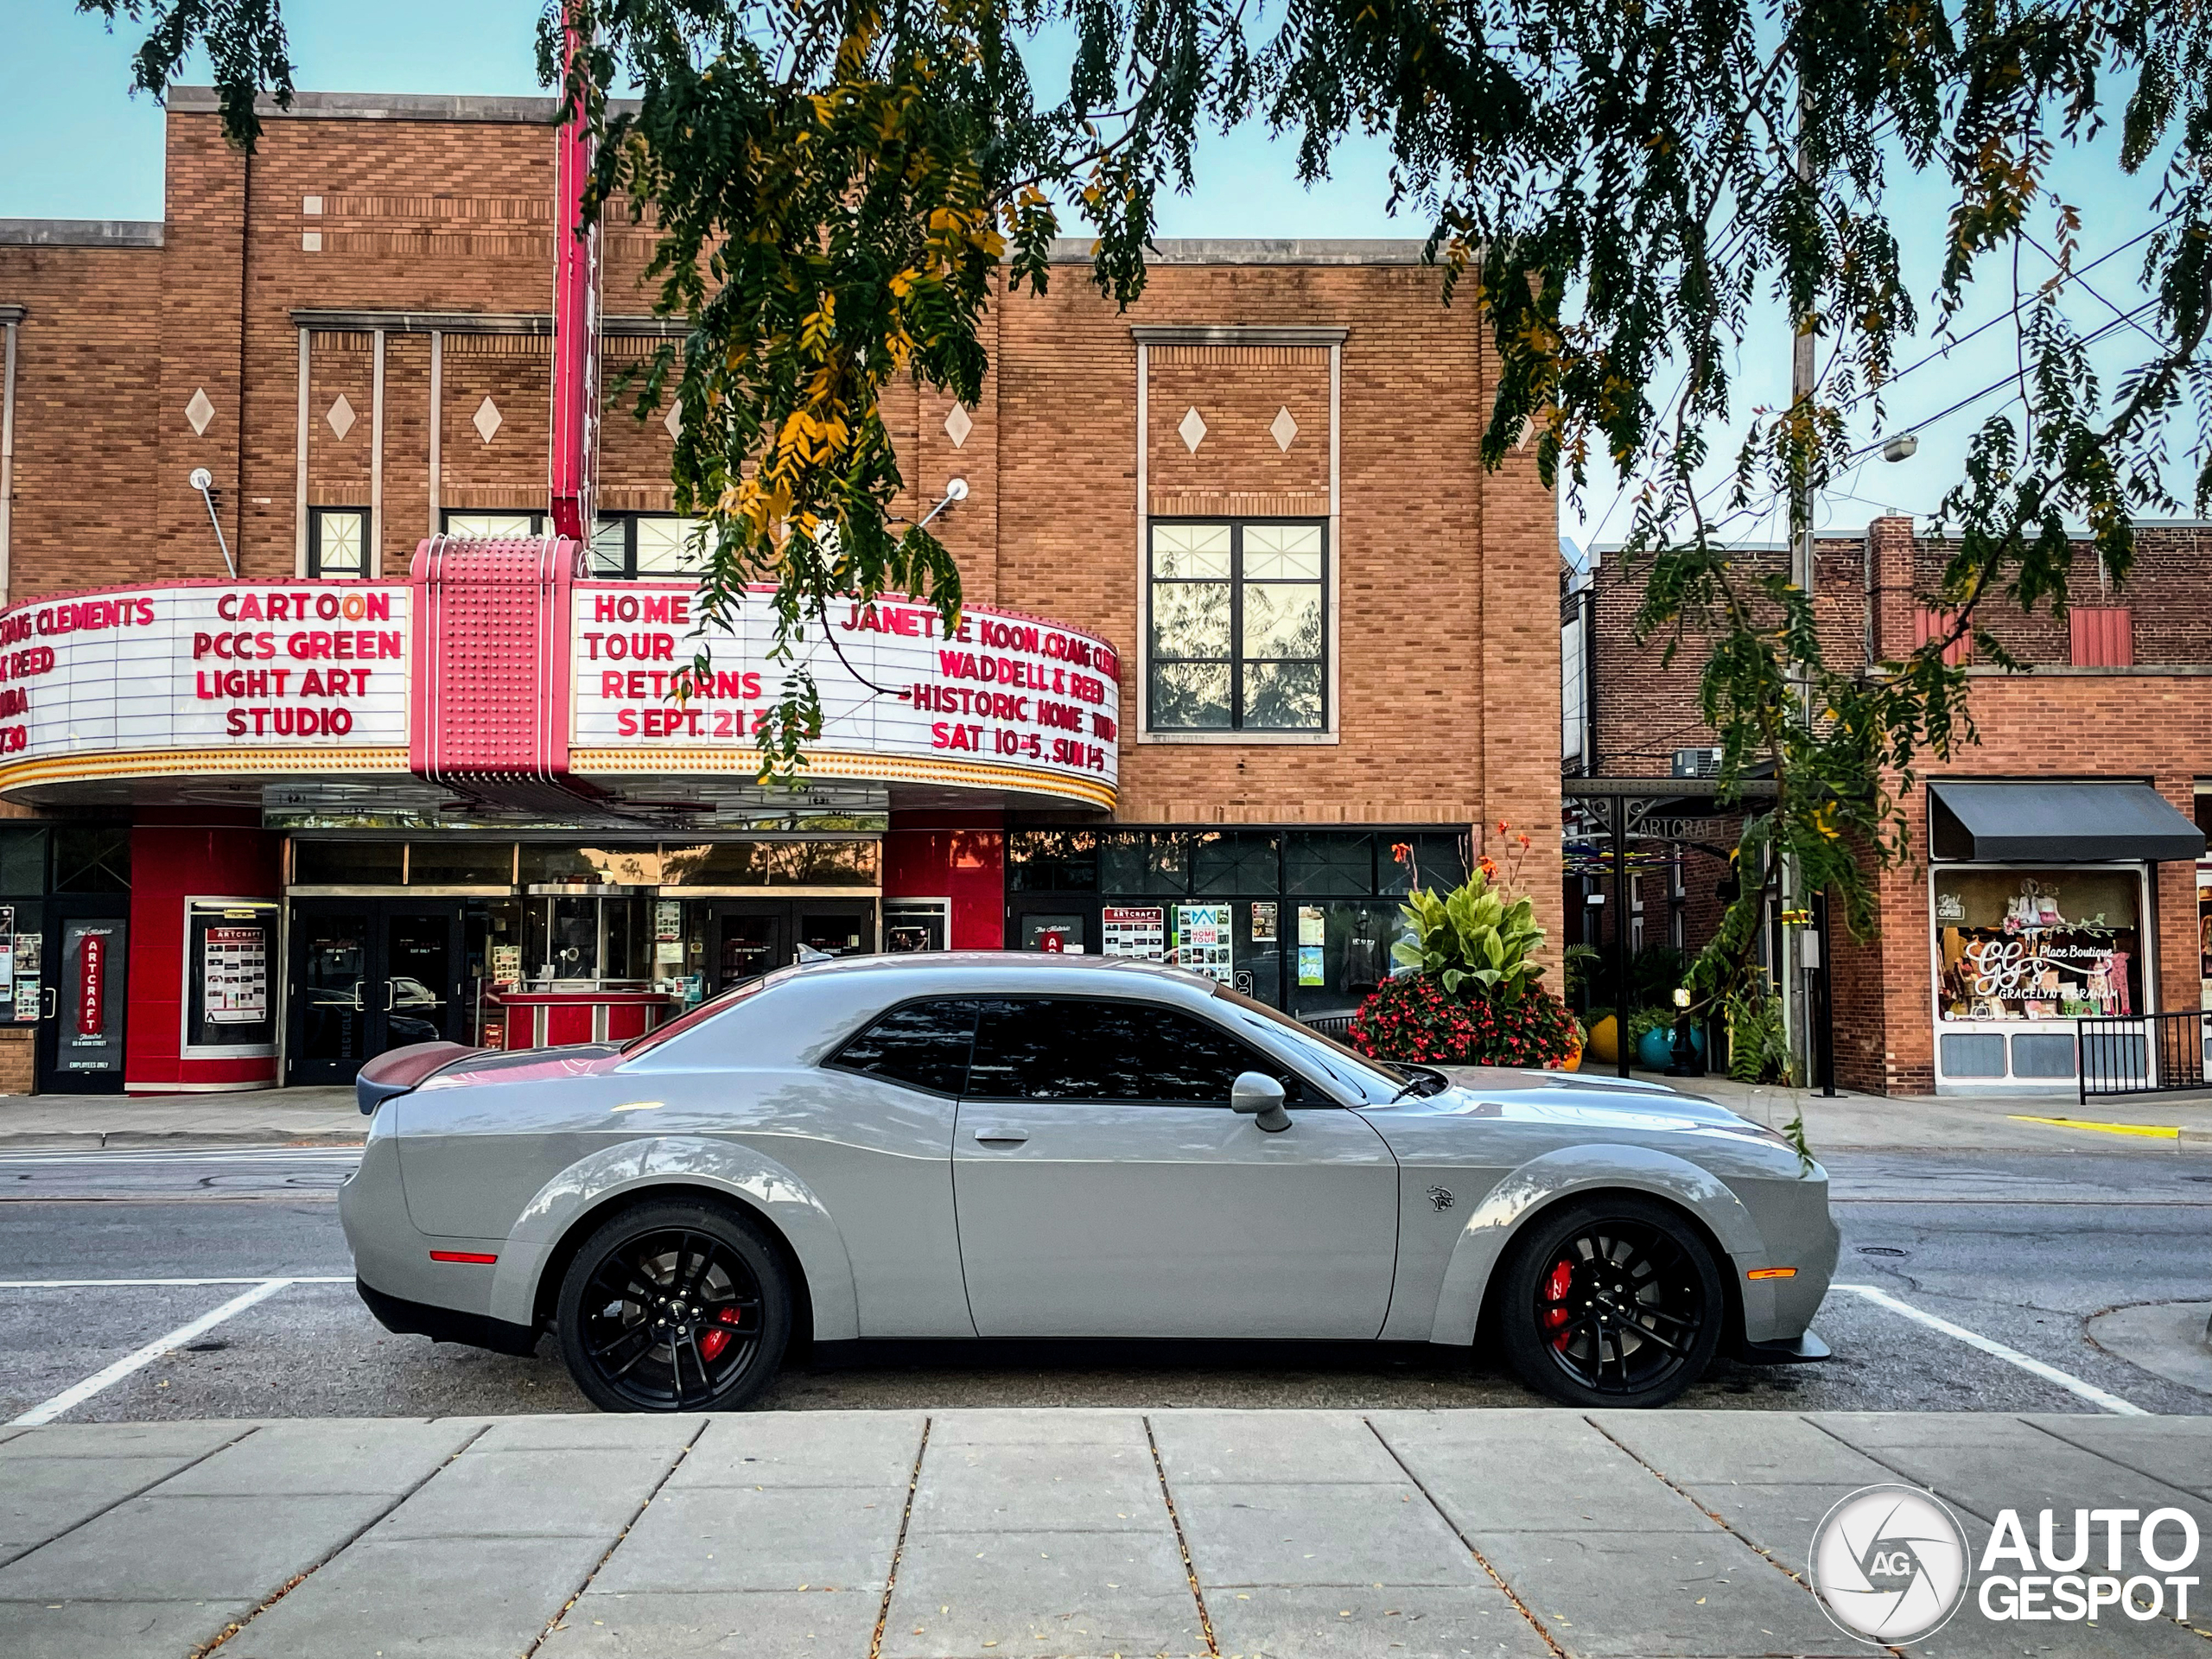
(923, 1045)
(1059, 1048)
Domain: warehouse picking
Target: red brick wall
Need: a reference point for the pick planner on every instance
(1448, 673)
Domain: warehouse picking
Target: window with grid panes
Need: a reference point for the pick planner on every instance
(634, 544)
(337, 540)
(1239, 634)
(495, 526)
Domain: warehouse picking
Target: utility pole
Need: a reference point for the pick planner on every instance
(1796, 1005)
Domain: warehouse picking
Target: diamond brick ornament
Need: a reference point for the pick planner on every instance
(674, 420)
(199, 411)
(342, 417)
(957, 426)
(1192, 430)
(1283, 429)
(486, 420)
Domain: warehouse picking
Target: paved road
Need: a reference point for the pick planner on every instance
(2018, 1248)
(976, 1535)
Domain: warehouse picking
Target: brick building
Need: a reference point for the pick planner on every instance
(1251, 635)
(2054, 865)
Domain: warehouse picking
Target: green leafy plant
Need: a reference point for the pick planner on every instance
(1477, 936)
(1758, 1047)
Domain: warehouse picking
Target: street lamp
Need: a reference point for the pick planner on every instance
(204, 481)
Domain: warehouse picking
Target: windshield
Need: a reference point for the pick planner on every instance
(1376, 1080)
(698, 1016)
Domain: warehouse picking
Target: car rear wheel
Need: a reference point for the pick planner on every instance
(1613, 1300)
(674, 1306)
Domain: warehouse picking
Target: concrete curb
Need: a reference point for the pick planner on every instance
(179, 1141)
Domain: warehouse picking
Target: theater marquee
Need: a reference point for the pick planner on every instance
(308, 679)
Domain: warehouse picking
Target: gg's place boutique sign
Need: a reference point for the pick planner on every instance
(192, 677)
(1006, 700)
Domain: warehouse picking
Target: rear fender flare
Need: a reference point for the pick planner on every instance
(1495, 1222)
(694, 1164)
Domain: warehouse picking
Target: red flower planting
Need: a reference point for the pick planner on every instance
(1412, 1017)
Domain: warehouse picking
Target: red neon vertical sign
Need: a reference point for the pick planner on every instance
(91, 1003)
(574, 455)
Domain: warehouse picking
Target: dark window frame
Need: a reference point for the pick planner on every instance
(1236, 662)
(315, 516)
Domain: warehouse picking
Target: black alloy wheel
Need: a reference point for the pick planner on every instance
(674, 1306)
(1611, 1301)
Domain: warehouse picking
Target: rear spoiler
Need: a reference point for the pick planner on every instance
(399, 1070)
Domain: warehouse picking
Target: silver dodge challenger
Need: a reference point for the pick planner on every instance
(990, 1144)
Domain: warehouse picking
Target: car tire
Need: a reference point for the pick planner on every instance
(673, 1306)
(1611, 1301)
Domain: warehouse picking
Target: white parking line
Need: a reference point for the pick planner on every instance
(128, 1284)
(2089, 1391)
(70, 1398)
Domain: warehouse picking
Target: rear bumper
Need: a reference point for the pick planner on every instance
(408, 1319)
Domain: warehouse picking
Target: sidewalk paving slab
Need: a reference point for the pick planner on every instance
(1303, 1447)
(1370, 1622)
(114, 1630)
(1549, 1472)
(875, 1450)
(424, 1598)
(716, 1624)
(998, 1487)
(1759, 1447)
(1639, 1595)
(1059, 1593)
(535, 1494)
(1382, 1534)
(738, 1538)
(387, 1456)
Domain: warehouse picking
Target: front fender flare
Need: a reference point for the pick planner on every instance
(1493, 1223)
(637, 1168)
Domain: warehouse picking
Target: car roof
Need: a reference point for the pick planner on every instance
(1043, 966)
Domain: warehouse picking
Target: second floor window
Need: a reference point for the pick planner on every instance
(646, 544)
(1239, 634)
(337, 540)
(496, 526)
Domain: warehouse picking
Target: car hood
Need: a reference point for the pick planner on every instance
(1565, 1102)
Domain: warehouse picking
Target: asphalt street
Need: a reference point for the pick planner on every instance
(2017, 1247)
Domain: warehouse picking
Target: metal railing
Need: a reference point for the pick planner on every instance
(2150, 1053)
(1337, 1026)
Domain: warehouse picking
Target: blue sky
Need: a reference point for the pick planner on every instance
(74, 144)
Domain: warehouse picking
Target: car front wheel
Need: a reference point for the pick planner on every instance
(674, 1306)
(1613, 1300)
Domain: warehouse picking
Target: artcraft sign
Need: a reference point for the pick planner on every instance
(1007, 698)
(244, 677)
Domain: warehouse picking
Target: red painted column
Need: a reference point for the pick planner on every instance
(574, 452)
(178, 854)
(956, 855)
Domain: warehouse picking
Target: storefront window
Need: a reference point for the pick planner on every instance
(2038, 945)
(1053, 861)
(22, 862)
(1325, 863)
(1233, 861)
(773, 864)
(1141, 861)
(461, 862)
(92, 858)
(349, 863)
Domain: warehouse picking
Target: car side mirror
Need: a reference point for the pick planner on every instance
(1260, 1097)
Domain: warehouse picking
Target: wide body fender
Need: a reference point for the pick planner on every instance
(636, 1169)
(1493, 1223)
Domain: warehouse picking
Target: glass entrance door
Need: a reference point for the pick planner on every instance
(369, 975)
(82, 993)
(752, 937)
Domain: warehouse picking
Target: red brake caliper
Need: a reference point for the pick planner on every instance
(1555, 1290)
(713, 1341)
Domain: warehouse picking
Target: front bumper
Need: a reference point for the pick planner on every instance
(407, 1319)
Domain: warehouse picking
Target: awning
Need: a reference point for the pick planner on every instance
(2058, 824)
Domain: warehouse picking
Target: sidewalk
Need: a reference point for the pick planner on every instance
(977, 1535)
(268, 1117)
(1850, 1123)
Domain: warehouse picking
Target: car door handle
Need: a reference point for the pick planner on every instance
(1001, 1137)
